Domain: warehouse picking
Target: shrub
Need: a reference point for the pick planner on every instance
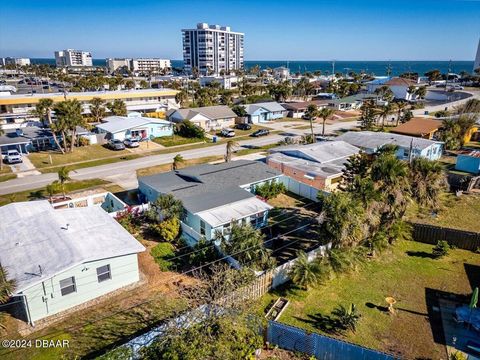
(189, 130)
(347, 318)
(168, 230)
(83, 141)
(203, 252)
(270, 189)
(162, 253)
(441, 249)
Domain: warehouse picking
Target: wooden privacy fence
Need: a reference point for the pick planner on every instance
(260, 286)
(431, 234)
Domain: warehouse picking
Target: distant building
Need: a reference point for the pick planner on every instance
(144, 65)
(319, 165)
(211, 49)
(408, 146)
(281, 73)
(14, 61)
(476, 64)
(226, 82)
(140, 65)
(70, 57)
(16, 109)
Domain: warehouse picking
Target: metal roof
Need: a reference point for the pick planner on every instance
(375, 140)
(320, 152)
(115, 124)
(208, 186)
(39, 242)
(329, 170)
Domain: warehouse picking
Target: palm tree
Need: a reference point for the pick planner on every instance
(52, 189)
(427, 181)
(325, 113)
(231, 145)
(347, 317)
(69, 117)
(97, 109)
(311, 114)
(306, 273)
(43, 110)
(117, 107)
(177, 160)
(63, 177)
(182, 97)
(401, 106)
(165, 207)
(384, 112)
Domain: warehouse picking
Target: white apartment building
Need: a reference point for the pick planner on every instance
(14, 61)
(72, 57)
(212, 49)
(140, 65)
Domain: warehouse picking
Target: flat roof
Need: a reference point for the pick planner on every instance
(85, 96)
(115, 124)
(39, 242)
(375, 140)
(329, 170)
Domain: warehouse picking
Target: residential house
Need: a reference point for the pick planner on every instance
(469, 162)
(281, 73)
(214, 196)
(26, 139)
(319, 165)
(408, 146)
(425, 128)
(137, 127)
(297, 109)
(208, 117)
(63, 258)
(227, 82)
(352, 102)
(398, 85)
(263, 112)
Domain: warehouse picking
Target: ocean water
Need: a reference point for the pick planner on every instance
(377, 68)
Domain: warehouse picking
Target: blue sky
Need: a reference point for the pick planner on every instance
(274, 30)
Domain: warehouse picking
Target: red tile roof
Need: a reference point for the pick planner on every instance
(398, 81)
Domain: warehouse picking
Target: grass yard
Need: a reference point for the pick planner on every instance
(405, 272)
(176, 140)
(167, 167)
(41, 193)
(455, 212)
(6, 173)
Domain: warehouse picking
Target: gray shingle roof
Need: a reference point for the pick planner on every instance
(271, 106)
(29, 132)
(33, 234)
(208, 186)
(211, 112)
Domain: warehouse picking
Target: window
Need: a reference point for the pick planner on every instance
(202, 227)
(67, 286)
(103, 273)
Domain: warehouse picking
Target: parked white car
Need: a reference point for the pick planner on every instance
(13, 157)
(227, 132)
(131, 143)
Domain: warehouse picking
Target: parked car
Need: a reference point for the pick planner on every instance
(116, 145)
(13, 157)
(243, 126)
(261, 132)
(456, 87)
(131, 143)
(227, 132)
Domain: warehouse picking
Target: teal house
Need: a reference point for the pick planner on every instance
(63, 258)
(137, 127)
(214, 196)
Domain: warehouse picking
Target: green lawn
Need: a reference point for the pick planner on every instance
(161, 253)
(41, 193)
(455, 212)
(176, 140)
(6, 173)
(404, 272)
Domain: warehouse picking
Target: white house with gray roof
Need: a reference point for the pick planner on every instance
(137, 127)
(61, 258)
(208, 117)
(214, 196)
(408, 146)
(265, 111)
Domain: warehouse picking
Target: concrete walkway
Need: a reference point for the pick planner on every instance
(25, 168)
